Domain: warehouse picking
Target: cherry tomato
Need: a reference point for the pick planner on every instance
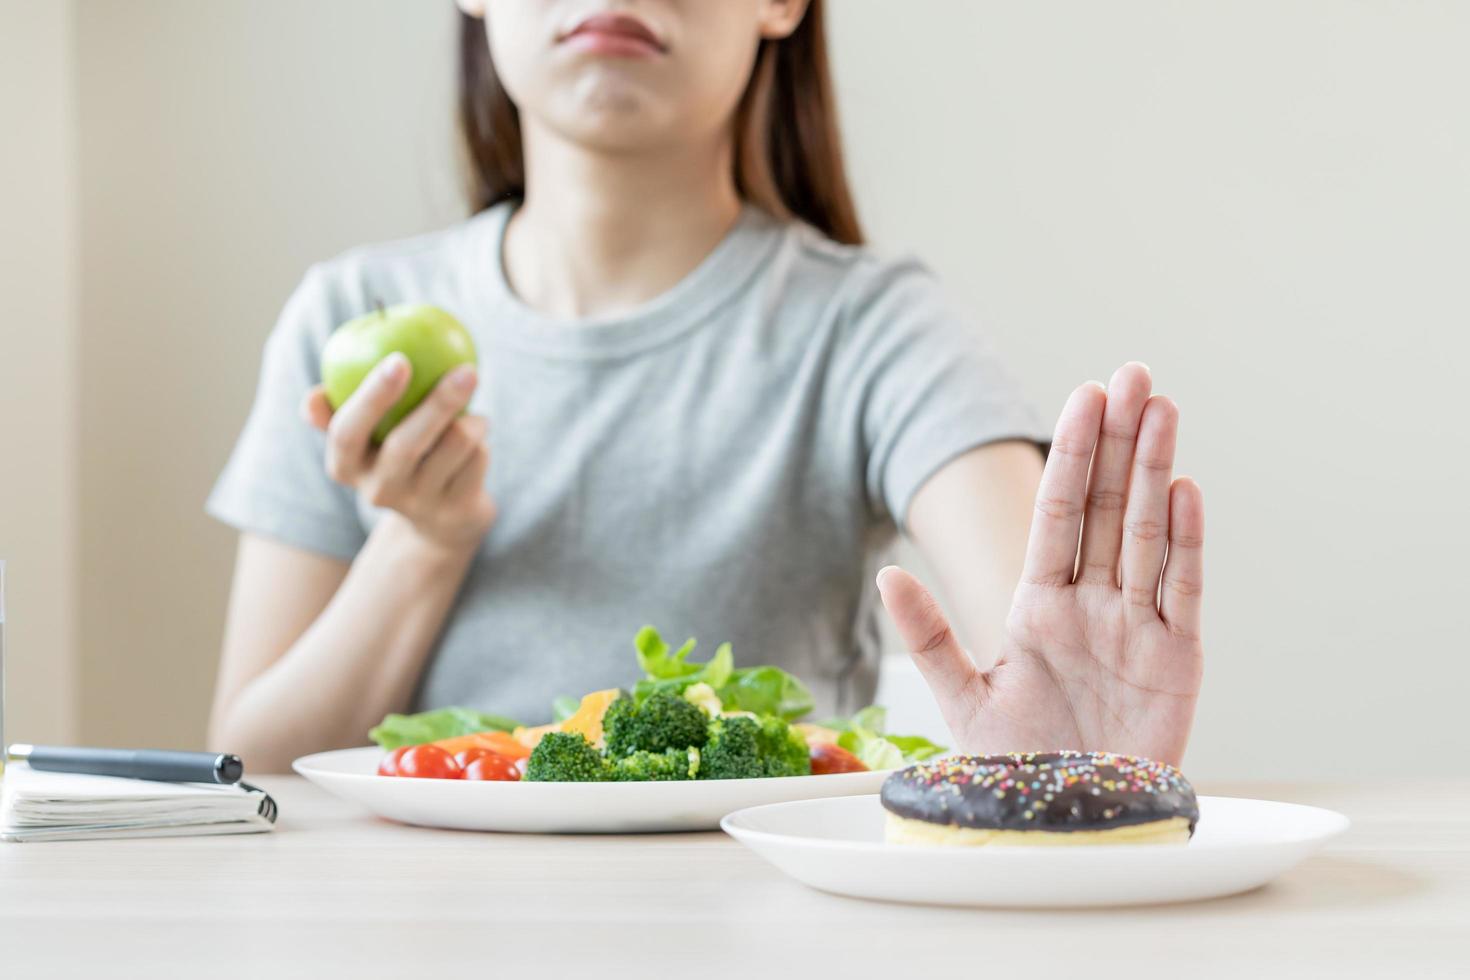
(827, 759)
(521, 768)
(429, 762)
(389, 765)
(465, 756)
(492, 766)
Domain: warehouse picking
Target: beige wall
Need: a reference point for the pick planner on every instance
(38, 385)
(224, 148)
(1266, 201)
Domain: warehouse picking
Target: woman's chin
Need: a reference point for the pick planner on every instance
(611, 113)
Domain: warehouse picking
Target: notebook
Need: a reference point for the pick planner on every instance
(37, 805)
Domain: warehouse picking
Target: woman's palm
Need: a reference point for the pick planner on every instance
(1102, 648)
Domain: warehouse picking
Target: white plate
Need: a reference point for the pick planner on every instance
(561, 808)
(837, 845)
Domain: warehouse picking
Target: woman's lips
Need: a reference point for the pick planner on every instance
(617, 35)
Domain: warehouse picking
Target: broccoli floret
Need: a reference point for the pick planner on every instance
(616, 721)
(783, 749)
(740, 747)
(664, 721)
(733, 750)
(648, 766)
(565, 757)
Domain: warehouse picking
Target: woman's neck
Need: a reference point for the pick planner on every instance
(602, 233)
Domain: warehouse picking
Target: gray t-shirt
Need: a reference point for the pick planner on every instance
(727, 462)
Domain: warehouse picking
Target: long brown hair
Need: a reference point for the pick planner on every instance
(788, 151)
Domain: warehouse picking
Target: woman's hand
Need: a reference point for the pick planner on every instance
(1102, 649)
(431, 467)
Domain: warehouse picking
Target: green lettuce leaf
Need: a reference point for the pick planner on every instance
(865, 736)
(667, 677)
(655, 659)
(875, 751)
(564, 707)
(915, 748)
(873, 718)
(766, 691)
(429, 726)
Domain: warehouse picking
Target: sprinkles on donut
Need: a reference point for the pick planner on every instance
(1031, 798)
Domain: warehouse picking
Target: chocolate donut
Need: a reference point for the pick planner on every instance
(1040, 798)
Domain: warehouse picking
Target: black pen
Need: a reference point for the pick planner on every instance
(162, 765)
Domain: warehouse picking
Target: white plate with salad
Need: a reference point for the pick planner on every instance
(688, 743)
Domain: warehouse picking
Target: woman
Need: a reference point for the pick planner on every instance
(711, 406)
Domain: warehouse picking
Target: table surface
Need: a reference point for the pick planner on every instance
(336, 892)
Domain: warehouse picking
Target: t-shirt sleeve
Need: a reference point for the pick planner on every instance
(929, 387)
(275, 483)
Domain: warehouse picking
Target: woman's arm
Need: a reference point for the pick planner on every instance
(317, 651)
(970, 521)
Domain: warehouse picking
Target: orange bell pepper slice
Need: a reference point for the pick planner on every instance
(501, 743)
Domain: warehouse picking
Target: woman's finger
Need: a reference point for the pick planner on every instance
(471, 476)
(450, 453)
(1051, 552)
(925, 631)
(1184, 570)
(412, 438)
(315, 408)
(351, 428)
(1102, 524)
(1146, 519)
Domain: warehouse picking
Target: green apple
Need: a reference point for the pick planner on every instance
(433, 341)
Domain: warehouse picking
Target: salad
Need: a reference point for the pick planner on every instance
(682, 720)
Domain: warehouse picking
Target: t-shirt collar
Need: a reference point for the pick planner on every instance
(722, 275)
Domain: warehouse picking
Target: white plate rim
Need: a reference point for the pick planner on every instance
(730, 825)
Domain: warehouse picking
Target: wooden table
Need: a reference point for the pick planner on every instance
(336, 893)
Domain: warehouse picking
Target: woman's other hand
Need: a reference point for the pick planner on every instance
(430, 469)
(1102, 647)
